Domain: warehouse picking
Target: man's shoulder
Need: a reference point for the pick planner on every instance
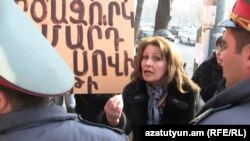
(101, 127)
(94, 132)
(236, 114)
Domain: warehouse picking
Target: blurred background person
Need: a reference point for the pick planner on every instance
(69, 101)
(209, 73)
(231, 105)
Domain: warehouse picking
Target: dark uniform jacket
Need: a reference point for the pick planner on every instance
(177, 108)
(230, 106)
(51, 123)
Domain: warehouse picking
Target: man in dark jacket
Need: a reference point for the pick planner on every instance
(231, 105)
(31, 71)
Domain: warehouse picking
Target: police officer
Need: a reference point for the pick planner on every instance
(231, 106)
(31, 72)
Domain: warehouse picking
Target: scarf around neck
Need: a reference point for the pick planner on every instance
(155, 93)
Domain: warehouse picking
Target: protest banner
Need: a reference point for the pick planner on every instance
(96, 39)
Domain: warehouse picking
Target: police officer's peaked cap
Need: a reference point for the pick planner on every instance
(239, 17)
(28, 63)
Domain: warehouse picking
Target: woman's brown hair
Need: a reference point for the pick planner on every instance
(175, 70)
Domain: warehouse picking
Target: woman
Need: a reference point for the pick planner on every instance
(160, 91)
(209, 73)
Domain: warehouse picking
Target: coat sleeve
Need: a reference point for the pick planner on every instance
(103, 120)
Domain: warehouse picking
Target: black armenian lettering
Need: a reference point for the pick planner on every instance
(92, 12)
(90, 83)
(80, 27)
(117, 39)
(104, 20)
(79, 82)
(79, 42)
(117, 9)
(54, 10)
(78, 7)
(55, 33)
(25, 4)
(33, 10)
(90, 35)
(115, 64)
(126, 61)
(85, 63)
(131, 17)
(95, 62)
(44, 30)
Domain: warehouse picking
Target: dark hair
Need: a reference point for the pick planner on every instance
(242, 38)
(219, 41)
(20, 100)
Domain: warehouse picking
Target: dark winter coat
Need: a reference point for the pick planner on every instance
(177, 108)
(207, 76)
(51, 123)
(230, 106)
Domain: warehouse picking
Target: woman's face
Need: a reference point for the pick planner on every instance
(153, 65)
(218, 55)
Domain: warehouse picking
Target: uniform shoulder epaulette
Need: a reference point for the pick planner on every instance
(201, 116)
(207, 113)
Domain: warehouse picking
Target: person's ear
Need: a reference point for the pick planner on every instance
(247, 51)
(3, 102)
